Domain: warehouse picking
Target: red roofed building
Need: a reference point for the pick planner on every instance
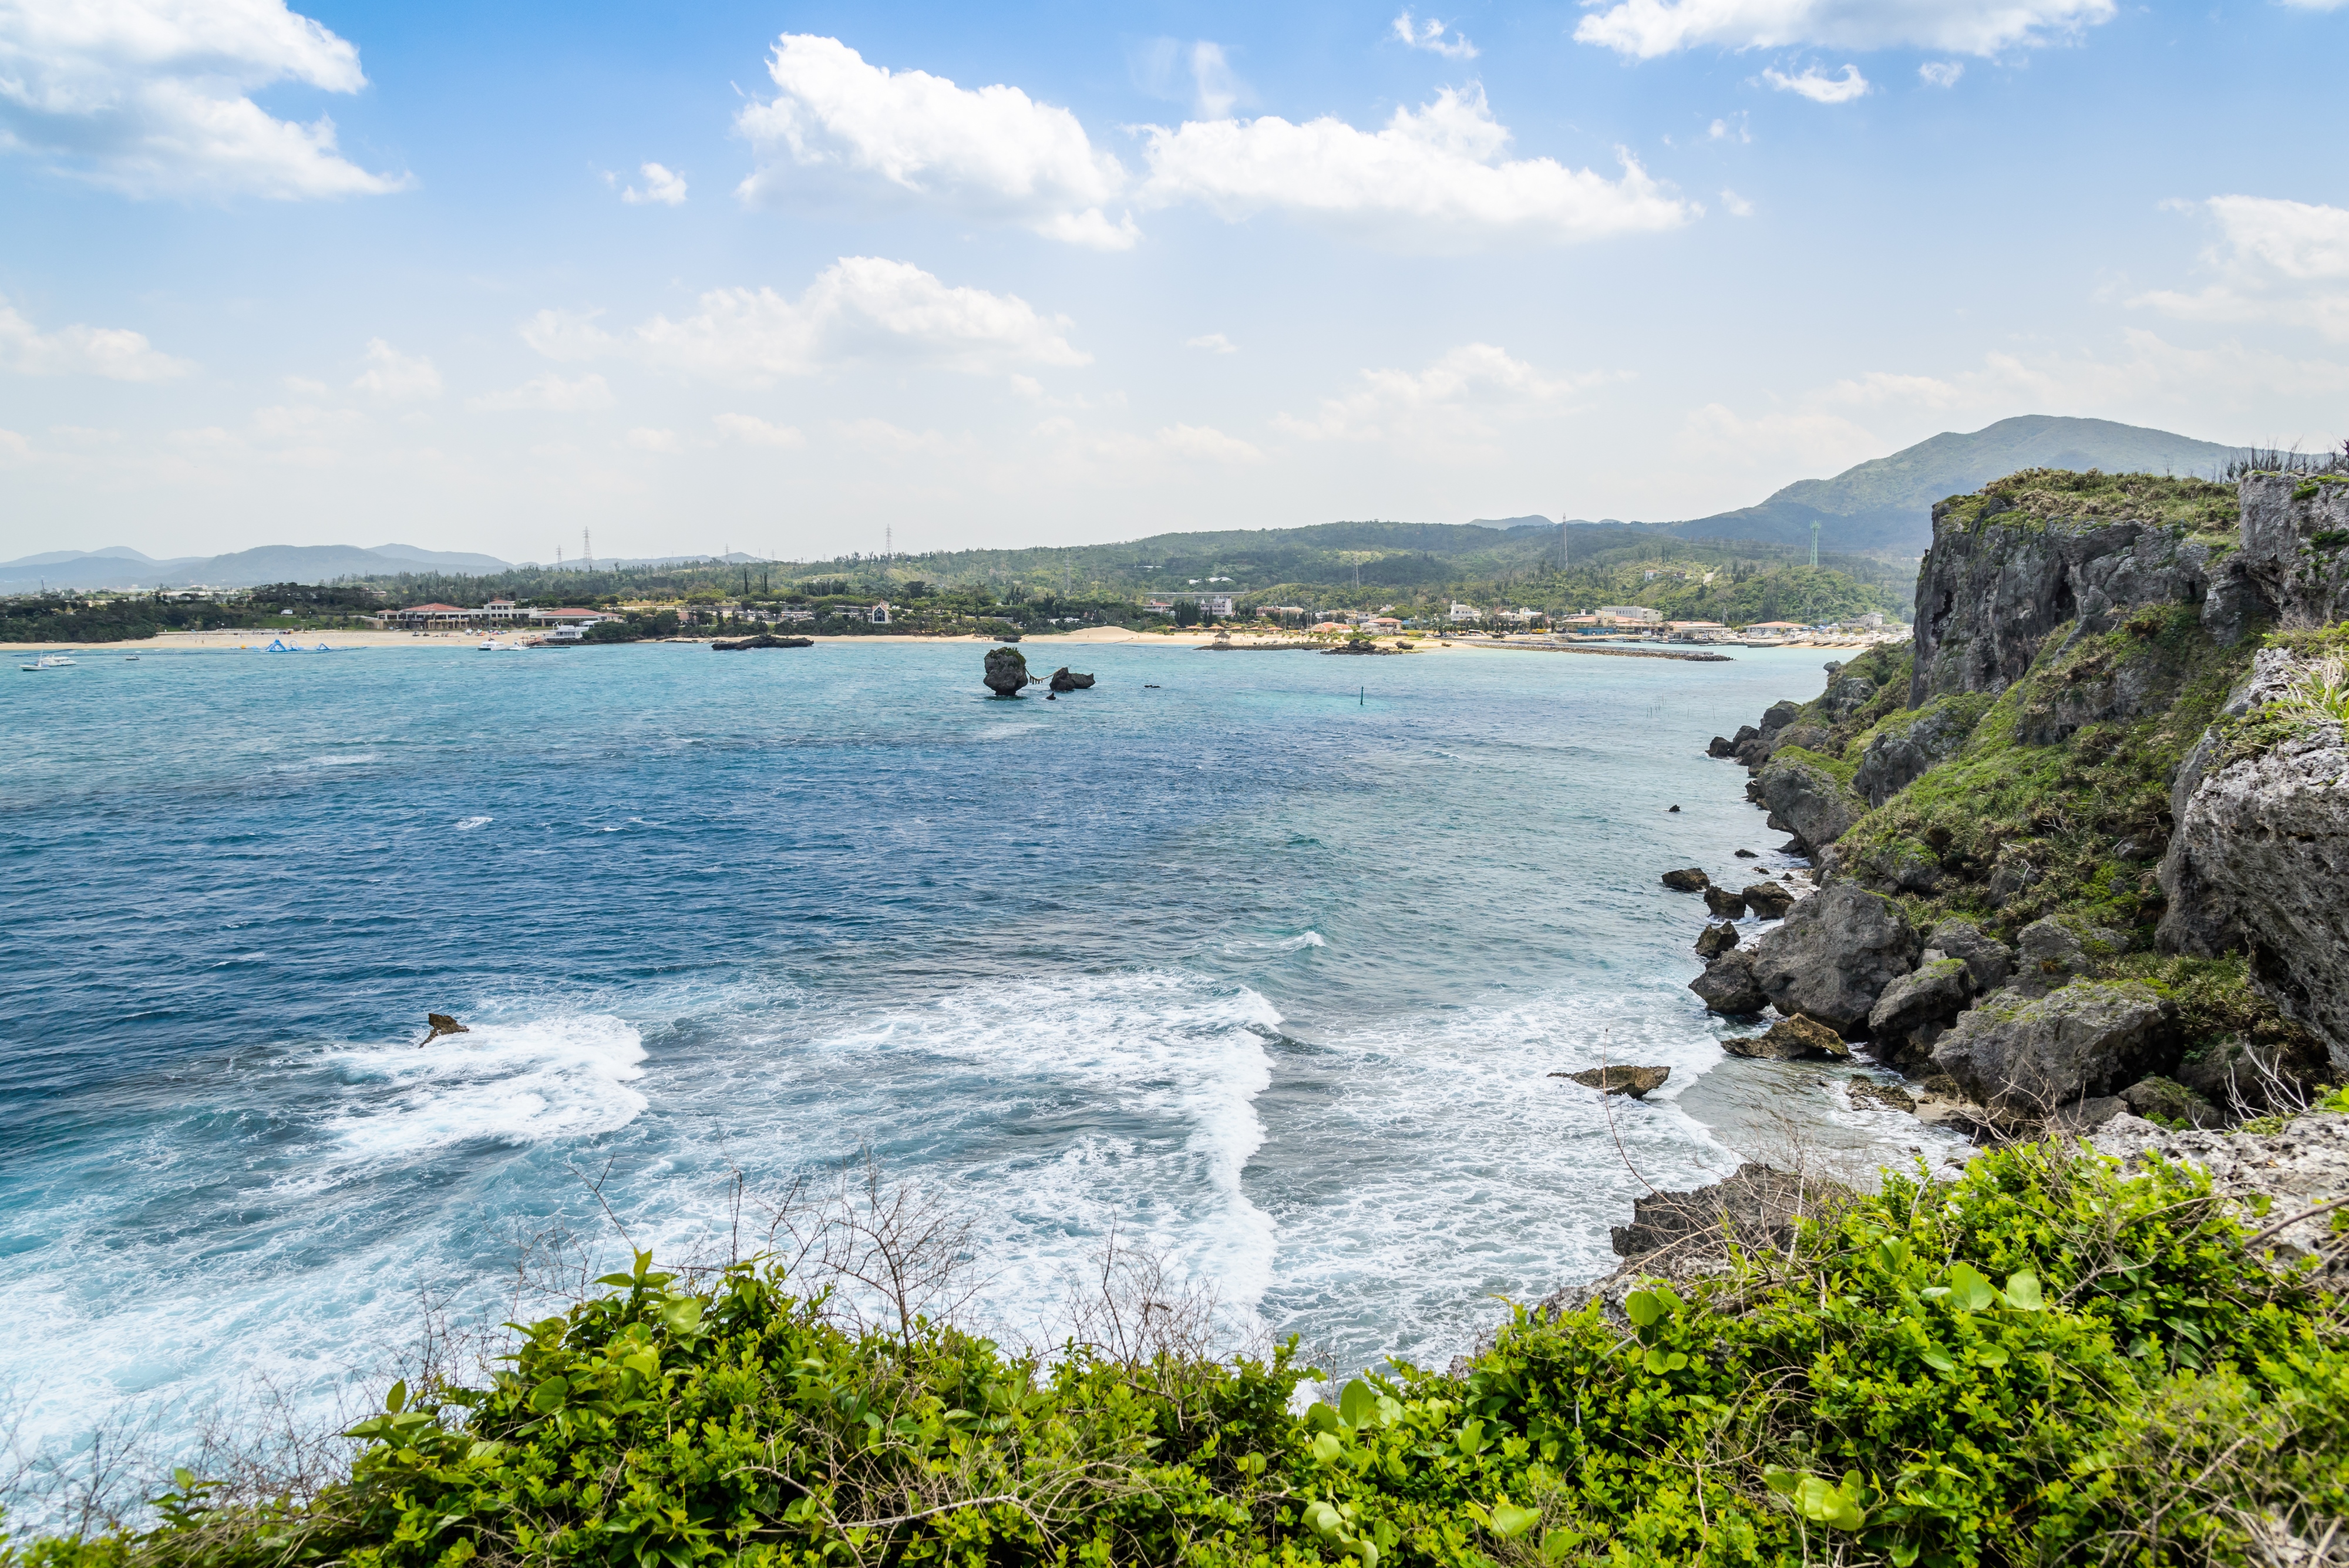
(419, 618)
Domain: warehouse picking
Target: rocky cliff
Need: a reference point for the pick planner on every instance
(2106, 788)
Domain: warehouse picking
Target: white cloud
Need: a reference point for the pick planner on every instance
(1941, 73)
(660, 185)
(859, 308)
(1436, 179)
(841, 128)
(1820, 87)
(114, 352)
(1429, 36)
(1727, 130)
(1215, 86)
(1213, 342)
(646, 439)
(2275, 260)
(1452, 410)
(392, 377)
(1736, 205)
(1647, 28)
(149, 97)
(751, 430)
(549, 394)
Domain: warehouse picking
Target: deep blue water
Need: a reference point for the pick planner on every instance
(1264, 967)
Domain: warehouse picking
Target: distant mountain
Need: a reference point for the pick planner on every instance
(118, 567)
(1886, 504)
(448, 560)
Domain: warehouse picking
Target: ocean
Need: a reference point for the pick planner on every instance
(1258, 961)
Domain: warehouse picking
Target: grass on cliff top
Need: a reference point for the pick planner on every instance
(2038, 496)
(2042, 1361)
(2056, 817)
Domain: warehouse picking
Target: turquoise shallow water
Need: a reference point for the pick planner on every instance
(1263, 968)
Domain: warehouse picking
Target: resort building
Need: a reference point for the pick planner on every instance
(1460, 612)
(427, 618)
(1640, 613)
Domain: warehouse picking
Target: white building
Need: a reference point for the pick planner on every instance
(1460, 612)
(1640, 613)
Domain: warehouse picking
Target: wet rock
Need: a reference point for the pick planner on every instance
(1768, 900)
(1724, 904)
(1636, 1081)
(1834, 955)
(2167, 1100)
(1715, 941)
(1671, 808)
(1808, 801)
(1721, 746)
(1728, 985)
(2032, 1057)
(1867, 1094)
(439, 1023)
(1794, 1039)
(1902, 752)
(1747, 855)
(1690, 881)
(1063, 679)
(1988, 961)
(1007, 672)
(1933, 993)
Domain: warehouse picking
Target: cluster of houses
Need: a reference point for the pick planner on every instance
(505, 614)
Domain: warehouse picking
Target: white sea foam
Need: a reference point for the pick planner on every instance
(516, 1083)
(470, 823)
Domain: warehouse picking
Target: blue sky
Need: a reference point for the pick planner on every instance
(780, 277)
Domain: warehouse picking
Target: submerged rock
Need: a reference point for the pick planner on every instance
(1834, 955)
(1636, 1081)
(1691, 880)
(2032, 1057)
(1728, 986)
(1791, 1039)
(1715, 941)
(1007, 672)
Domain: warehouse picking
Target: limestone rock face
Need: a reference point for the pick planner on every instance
(1007, 672)
(1636, 1081)
(2049, 954)
(2282, 517)
(1989, 594)
(2303, 1164)
(1902, 752)
(1834, 955)
(1728, 986)
(2259, 862)
(1808, 801)
(1716, 941)
(1988, 961)
(1789, 1040)
(2032, 1057)
(2171, 1101)
(1927, 998)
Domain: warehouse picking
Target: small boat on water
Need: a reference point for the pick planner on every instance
(493, 644)
(51, 662)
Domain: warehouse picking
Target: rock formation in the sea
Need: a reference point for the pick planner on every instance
(1834, 955)
(764, 639)
(1690, 881)
(1721, 746)
(1715, 941)
(1723, 904)
(1768, 900)
(1636, 1081)
(1065, 680)
(1007, 672)
(1792, 1039)
(1728, 986)
(439, 1023)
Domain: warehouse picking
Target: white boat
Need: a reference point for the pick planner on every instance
(493, 645)
(51, 662)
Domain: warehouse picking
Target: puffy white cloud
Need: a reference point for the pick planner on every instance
(840, 128)
(1213, 342)
(751, 430)
(1736, 205)
(2276, 260)
(1734, 130)
(1436, 179)
(859, 308)
(1941, 73)
(1429, 36)
(1818, 87)
(549, 394)
(115, 352)
(392, 377)
(660, 185)
(1647, 28)
(1454, 409)
(150, 96)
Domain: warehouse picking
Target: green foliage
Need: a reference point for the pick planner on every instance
(2038, 1362)
(2038, 497)
(2216, 1002)
(58, 618)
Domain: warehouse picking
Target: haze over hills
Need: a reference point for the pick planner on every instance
(118, 567)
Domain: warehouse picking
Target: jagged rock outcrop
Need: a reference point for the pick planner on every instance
(2295, 545)
(1808, 801)
(2300, 1167)
(1753, 1209)
(1834, 955)
(1989, 962)
(1916, 1009)
(1723, 904)
(1007, 672)
(1715, 941)
(1902, 751)
(1636, 1081)
(1988, 596)
(2031, 1058)
(1689, 880)
(2050, 954)
(1065, 680)
(2167, 1100)
(1728, 985)
(1768, 900)
(1792, 1039)
(1752, 745)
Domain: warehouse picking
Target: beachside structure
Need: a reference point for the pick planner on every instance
(1774, 627)
(1460, 612)
(427, 618)
(1638, 613)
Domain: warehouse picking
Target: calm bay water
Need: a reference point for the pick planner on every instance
(1266, 967)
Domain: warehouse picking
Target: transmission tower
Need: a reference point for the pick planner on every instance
(586, 552)
(1815, 541)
